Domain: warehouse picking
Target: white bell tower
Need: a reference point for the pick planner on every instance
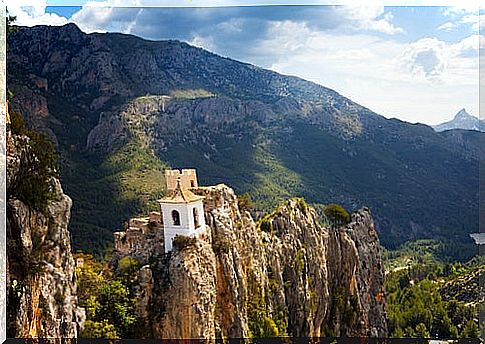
(182, 210)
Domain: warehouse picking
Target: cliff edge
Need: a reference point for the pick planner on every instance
(287, 274)
(41, 284)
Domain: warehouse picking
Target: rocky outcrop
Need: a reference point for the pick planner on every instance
(288, 274)
(41, 281)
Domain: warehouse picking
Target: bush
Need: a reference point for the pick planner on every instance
(116, 305)
(181, 241)
(337, 215)
(220, 245)
(301, 204)
(17, 124)
(244, 202)
(99, 329)
(261, 324)
(33, 184)
(127, 270)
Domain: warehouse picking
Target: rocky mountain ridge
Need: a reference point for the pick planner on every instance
(264, 133)
(291, 275)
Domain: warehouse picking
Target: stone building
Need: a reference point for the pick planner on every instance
(182, 213)
(186, 177)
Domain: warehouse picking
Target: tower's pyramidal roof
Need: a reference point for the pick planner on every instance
(180, 195)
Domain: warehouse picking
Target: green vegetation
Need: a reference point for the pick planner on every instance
(181, 241)
(108, 190)
(107, 298)
(102, 329)
(33, 184)
(261, 324)
(266, 223)
(337, 215)
(429, 298)
(191, 94)
(302, 205)
(244, 202)
(220, 244)
(17, 124)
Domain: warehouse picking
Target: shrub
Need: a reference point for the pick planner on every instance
(260, 323)
(117, 306)
(33, 184)
(301, 204)
(220, 245)
(337, 215)
(17, 124)
(265, 224)
(244, 202)
(127, 270)
(99, 329)
(181, 241)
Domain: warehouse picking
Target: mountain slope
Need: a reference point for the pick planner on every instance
(462, 120)
(117, 104)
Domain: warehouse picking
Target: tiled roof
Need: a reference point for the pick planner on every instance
(180, 195)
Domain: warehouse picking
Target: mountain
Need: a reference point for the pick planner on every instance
(120, 109)
(462, 120)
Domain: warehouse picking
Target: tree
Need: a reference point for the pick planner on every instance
(116, 306)
(127, 270)
(337, 215)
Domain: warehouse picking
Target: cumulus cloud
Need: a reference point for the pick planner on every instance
(29, 13)
(441, 62)
(421, 81)
(466, 15)
(427, 58)
(448, 26)
(372, 18)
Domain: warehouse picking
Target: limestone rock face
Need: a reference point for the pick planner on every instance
(290, 273)
(41, 283)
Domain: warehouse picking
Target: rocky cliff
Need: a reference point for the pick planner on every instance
(41, 284)
(287, 274)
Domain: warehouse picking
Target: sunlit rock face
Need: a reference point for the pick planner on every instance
(305, 278)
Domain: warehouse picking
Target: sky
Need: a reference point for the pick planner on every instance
(415, 63)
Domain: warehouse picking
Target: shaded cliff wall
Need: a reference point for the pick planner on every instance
(41, 283)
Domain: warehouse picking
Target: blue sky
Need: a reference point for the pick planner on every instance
(416, 63)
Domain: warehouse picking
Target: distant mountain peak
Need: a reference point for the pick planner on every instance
(462, 120)
(462, 114)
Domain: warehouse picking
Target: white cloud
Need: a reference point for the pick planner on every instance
(372, 18)
(105, 16)
(426, 58)
(464, 15)
(423, 81)
(204, 42)
(448, 26)
(29, 13)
